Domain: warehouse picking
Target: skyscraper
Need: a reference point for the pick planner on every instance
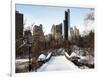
(53, 31)
(74, 34)
(19, 25)
(18, 32)
(59, 28)
(66, 23)
(38, 33)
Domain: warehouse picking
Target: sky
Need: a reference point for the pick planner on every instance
(49, 15)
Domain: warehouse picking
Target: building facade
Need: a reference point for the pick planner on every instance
(66, 23)
(18, 33)
(59, 28)
(19, 25)
(38, 34)
(74, 34)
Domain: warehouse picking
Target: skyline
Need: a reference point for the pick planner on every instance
(49, 15)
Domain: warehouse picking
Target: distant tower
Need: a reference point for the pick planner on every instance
(41, 26)
(66, 24)
(59, 28)
(53, 30)
(38, 34)
(76, 32)
(71, 34)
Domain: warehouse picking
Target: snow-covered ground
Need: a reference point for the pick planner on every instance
(20, 61)
(57, 63)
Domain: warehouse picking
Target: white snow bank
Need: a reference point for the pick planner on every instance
(66, 54)
(21, 60)
(49, 55)
(42, 57)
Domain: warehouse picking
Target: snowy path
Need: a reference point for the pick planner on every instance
(57, 63)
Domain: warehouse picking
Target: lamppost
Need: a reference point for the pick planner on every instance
(29, 43)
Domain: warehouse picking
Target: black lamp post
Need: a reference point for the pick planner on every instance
(29, 43)
(29, 57)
